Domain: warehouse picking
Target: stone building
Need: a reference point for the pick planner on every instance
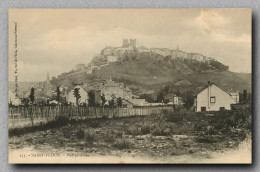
(79, 67)
(110, 90)
(131, 42)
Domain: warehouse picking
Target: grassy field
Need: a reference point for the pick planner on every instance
(159, 137)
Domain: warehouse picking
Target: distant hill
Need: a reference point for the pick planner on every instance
(147, 74)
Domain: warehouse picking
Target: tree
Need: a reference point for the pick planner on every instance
(166, 89)
(91, 98)
(112, 101)
(189, 100)
(119, 102)
(245, 96)
(103, 99)
(147, 97)
(58, 94)
(178, 92)
(25, 101)
(166, 101)
(160, 97)
(31, 96)
(77, 95)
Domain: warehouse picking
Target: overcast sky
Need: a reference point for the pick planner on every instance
(55, 40)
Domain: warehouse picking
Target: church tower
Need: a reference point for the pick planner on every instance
(48, 77)
(133, 42)
(47, 86)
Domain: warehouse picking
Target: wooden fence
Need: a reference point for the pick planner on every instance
(20, 116)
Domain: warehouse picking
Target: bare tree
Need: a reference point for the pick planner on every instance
(32, 98)
(77, 95)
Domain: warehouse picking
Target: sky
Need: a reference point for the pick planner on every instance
(55, 40)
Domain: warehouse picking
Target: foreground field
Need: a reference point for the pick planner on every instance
(156, 138)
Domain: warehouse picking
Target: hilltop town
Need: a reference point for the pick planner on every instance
(129, 51)
(137, 75)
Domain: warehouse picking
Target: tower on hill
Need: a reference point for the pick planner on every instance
(133, 42)
(125, 43)
(48, 77)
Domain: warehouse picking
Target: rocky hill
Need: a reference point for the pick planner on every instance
(147, 73)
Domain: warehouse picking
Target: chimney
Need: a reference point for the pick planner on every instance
(209, 94)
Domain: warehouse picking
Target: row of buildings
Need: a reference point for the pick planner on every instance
(113, 54)
(107, 88)
(211, 98)
(129, 51)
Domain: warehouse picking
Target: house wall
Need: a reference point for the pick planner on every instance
(117, 92)
(235, 97)
(175, 100)
(161, 52)
(223, 99)
(111, 58)
(138, 102)
(107, 51)
(127, 104)
(13, 99)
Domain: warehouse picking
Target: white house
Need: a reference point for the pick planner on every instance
(213, 98)
(111, 59)
(12, 99)
(139, 102)
(83, 93)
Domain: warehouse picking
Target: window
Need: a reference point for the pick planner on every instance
(222, 108)
(203, 109)
(213, 99)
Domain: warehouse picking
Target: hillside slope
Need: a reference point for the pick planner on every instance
(146, 75)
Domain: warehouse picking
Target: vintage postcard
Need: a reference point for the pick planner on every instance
(130, 86)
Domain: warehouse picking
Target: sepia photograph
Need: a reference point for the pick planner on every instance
(130, 86)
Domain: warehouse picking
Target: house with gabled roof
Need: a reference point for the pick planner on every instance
(13, 99)
(83, 95)
(110, 89)
(213, 98)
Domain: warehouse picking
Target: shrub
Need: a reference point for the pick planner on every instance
(119, 134)
(80, 134)
(178, 151)
(145, 129)
(133, 130)
(209, 139)
(122, 144)
(66, 132)
(93, 124)
(109, 137)
(89, 138)
(158, 131)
